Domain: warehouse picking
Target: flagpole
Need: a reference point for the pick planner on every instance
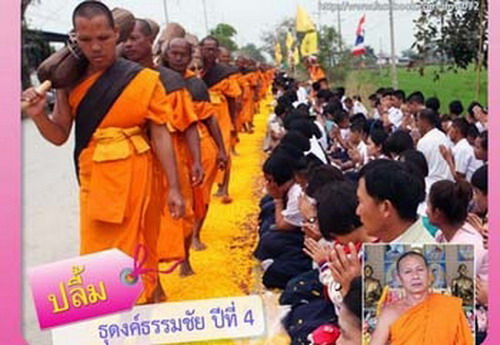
(165, 9)
(318, 25)
(205, 14)
(394, 72)
(480, 50)
(339, 26)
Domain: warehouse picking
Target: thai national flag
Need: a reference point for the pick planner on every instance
(359, 46)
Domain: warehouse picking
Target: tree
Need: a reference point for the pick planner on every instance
(24, 6)
(278, 34)
(329, 46)
(456, 32)
(253, 52)
(34, 48)
(225, 33)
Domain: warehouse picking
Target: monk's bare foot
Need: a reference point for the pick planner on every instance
(186, 269)
(219, 193)
(198, 245)
(159, 295)
(226, 199)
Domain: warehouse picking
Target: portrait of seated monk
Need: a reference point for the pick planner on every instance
(421, 317)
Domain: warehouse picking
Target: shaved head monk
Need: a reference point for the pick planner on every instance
(186, 142)
(421, 317)
(178, 57)
(113, 106)
(224, 55)
(222, 90)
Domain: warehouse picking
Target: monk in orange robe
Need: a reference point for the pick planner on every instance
(115, 164)
(270, 75)
(256, 87)
(264, 83)
(316, 72)
(138, 47)
(213, 153)
(421, 318)
(247, 82)
(223, 91)
(225, 58)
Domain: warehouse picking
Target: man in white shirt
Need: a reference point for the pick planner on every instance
(356, 139)
(429, 144)
(302, 96)
(395, 117)
(392, 116)
(275, 129)
(415, 103)
(317, 150)
(291, 213)
(478, 116)
(320, 123)
(389, 195)
(358, 106)
(464, 163)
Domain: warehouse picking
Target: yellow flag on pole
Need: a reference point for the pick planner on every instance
(309, 44)
(278, 57)
(303, 21)
(296, 56)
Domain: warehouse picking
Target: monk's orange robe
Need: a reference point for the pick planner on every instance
(270, 75)
(208, 160)
(439, 320)
(227, 87)
(116, 169)
(237, 78)
(220, 87)
(254, 85)
(204, 110)
(247, 102)
(316, 73)
(262, 85)
(174, 232)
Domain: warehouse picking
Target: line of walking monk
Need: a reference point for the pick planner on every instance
(150, 139)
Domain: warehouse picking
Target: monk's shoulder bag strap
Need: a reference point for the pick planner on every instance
(198, 89)
(171, 80)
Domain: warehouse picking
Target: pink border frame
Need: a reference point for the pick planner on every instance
(494, 166)
(10, 174)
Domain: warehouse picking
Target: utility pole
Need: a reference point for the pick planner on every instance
(165, 9)
(481, 49)
(339, 29)
(380, 57)
(318, 24)
(205, 15)
(394, 72)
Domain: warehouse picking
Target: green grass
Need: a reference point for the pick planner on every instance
(450, 86)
